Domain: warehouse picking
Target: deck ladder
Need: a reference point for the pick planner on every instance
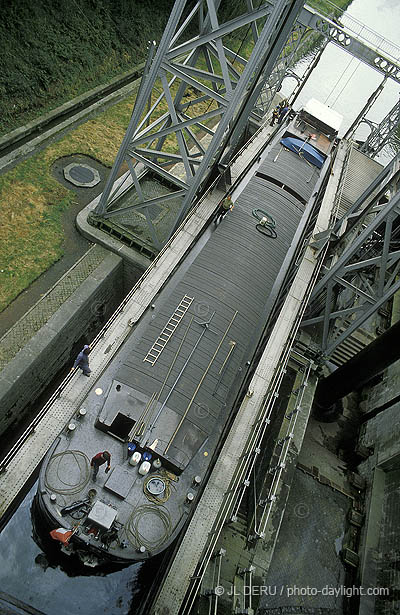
(168, 330)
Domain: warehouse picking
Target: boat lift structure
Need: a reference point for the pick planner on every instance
(196, 85)
(349, 267)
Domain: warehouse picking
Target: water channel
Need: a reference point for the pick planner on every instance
(31, 576)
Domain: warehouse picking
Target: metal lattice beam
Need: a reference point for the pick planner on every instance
(383, 133)
(345, 39)
(283, 69)
(366, 273)
(196, 85)
(199, 82)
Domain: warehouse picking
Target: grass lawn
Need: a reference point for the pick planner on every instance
(32, 201)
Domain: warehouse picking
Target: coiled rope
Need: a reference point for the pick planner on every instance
(140, 513)
(167, 478)
(266, 224)
(53, 472)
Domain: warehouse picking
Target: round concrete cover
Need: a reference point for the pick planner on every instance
(81, 175)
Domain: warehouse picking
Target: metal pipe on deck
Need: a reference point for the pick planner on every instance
(370, 362)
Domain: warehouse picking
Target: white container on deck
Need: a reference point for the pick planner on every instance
(135, 459)
(144, 468)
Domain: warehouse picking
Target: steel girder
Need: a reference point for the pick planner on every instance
(382, 134)
(291, 54)
(201, 81)
(361, 117)
(341, 36)
(310, 21)
(366, 263)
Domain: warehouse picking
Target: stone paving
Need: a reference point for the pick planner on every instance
(39, 314)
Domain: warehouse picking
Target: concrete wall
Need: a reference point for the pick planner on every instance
(55, 345)
(132, 272)
(379, 535)
(383, 389)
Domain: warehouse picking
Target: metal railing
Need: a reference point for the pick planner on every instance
(360, 30)
(241, 480)
(277, 470)
(371, 37)
(57, 393)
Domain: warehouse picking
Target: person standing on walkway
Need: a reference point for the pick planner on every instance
(98, 460)
(283, 112)
(275, 115)
(225, 206)
(82, 361)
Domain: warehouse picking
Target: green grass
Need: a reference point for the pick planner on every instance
(55, 50)
(32, 201)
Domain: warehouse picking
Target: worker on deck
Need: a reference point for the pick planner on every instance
(98, 460)
(224, 206)
(275, 115)
(283, 111)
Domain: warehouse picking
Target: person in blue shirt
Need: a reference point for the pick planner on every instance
(275, 115)
(283, 112)
(82, 361)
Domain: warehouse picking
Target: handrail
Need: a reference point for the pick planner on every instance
(259, 532)
(230, 495)
(57, 393)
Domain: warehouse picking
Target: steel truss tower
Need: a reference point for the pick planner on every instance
(383, 134)
(365, 269)
(204, 88)
(199, 83)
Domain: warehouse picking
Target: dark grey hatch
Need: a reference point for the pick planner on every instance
(175, 383)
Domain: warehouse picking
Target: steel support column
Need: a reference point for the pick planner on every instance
(383, 133)
(194, 82)
(199, 81)
(366, 273)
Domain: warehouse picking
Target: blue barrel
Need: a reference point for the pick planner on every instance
(147, 456)
(131, 448)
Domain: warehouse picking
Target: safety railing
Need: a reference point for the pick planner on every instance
(268, 503)
(360, 30)
(241, 480)
(371, 37)
(120, 309)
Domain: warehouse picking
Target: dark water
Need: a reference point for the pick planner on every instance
(45, 581)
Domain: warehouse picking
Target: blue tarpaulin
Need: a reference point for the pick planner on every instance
(304, 149)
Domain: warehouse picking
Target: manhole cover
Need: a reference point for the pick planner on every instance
(81, 175)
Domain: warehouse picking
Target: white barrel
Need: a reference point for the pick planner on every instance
(135, 459)
(144, 468)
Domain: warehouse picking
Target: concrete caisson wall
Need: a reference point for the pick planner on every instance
(379, 546)
(131, 274)
(79, 318)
